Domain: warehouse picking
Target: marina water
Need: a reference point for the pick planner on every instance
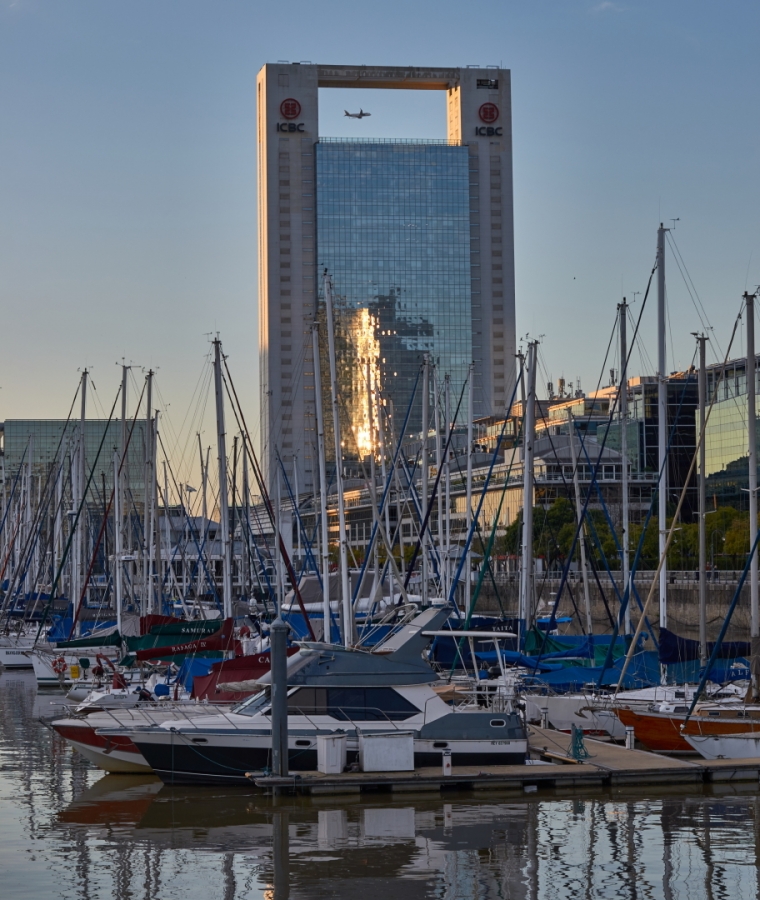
(69, 831)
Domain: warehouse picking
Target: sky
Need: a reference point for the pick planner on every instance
(128, 164)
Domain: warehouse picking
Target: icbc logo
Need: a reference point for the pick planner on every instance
(488, 112)
(291, 109)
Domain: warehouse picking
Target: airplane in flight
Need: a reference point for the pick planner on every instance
(360, 115)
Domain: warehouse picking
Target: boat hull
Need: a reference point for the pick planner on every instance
(726, 746)
(208, 758)
(566, 711)
(659, 732)
(46, 676)
(114, 753)
(704, 725)
(14, 658)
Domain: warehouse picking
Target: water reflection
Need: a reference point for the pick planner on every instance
(67, 831)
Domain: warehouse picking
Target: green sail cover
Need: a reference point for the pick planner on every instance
(199, 627)
(538, 642)
(161, 638)
(110, 640)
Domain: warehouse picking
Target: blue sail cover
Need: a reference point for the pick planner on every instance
(643, 671)
(675, 649)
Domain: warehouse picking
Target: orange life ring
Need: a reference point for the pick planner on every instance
(59, 665)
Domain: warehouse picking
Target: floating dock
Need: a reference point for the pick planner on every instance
(551, 766)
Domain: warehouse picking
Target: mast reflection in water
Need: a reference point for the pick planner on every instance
(68, 831)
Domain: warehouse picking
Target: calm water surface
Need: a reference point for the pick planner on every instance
(68, 831)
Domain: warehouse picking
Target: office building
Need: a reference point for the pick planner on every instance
(726, 435)
(47, 442)
(417, 238)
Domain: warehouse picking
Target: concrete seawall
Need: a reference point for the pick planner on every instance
(683, 604)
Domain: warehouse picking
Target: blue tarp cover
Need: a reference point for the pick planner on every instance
(643, 671)
(191, 668)
(62, 628)
(675, 649)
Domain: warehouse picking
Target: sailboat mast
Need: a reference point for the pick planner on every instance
(662, 425)
(117, 549)
(623, 412)
(372, 477)
(125, 540)
(424, 469)
(529, 417)
(158, 566)
(701, 339)
(468, 487)
(383, 469)
(751, 376)
(348, 622)
(438, 463)
(147, 495)
(278, 567)
(79, 536)
(578, 514)
(204, 509)
(224, 512)
(247, 513)
(447, 494)
(323, 527)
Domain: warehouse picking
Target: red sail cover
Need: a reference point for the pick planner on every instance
(223, 640)
(242, 668)
(147, 622)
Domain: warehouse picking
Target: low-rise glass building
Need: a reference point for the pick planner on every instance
(46, 440)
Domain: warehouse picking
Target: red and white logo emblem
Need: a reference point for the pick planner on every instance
(291, 109)
(488, 112)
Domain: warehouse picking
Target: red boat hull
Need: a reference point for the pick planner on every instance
(660, 732)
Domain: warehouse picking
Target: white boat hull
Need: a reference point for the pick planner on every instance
(14, 658)
(44, 672)
(565, 710)
(726, 746)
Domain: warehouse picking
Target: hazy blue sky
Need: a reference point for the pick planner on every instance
(127, 168)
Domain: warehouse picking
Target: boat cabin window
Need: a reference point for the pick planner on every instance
(680, 709)
(357, 704)
(253, 705)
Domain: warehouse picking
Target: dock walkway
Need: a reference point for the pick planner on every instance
(551, 767)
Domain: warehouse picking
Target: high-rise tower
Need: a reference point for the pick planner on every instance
(416, 236)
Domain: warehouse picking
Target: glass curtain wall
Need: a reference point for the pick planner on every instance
(393, 231)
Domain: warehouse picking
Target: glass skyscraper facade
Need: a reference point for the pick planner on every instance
(393, 232)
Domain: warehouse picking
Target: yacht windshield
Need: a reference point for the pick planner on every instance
(254, 704)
